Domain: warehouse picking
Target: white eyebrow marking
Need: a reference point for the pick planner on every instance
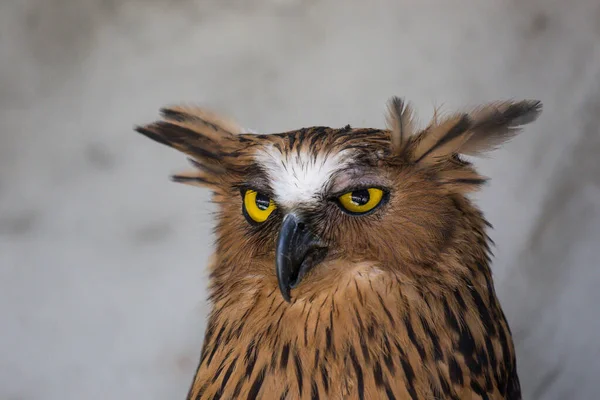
(300, 178)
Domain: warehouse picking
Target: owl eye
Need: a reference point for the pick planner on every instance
(361, 201)
(257, 206)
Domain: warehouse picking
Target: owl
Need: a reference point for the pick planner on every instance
(350, 263)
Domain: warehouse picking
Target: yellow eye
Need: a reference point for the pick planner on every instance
(257, 206)
(361, 201)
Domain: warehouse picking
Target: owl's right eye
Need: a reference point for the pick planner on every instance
(257, 207)
(361, 202)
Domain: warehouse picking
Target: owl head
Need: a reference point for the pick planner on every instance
(298, 210)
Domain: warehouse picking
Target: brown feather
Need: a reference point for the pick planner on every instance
(197, 178)
(208, 122)
(497, 123)
(214, 143)
(443, 140)
(399, 120)
(404, 305)
(463, 180)
(184, 139)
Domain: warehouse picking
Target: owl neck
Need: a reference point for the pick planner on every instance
(365, 297)
(375, 318)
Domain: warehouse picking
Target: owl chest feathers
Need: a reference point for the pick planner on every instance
(373, 335)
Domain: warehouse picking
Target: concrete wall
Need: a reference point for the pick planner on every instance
(101, 257)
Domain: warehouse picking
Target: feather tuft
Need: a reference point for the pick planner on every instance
(400, 121)
(441, 141)
(202, 119)
(496, 123)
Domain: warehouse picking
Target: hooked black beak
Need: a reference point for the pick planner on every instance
(298, 250)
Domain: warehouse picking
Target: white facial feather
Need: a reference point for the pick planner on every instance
(298, 179)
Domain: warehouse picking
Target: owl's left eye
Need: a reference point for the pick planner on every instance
(257, 206)
(361, 201)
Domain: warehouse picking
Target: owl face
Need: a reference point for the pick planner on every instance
(303, 207)
(319, 197)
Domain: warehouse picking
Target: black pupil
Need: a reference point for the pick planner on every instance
(262, 201)
(361, 197)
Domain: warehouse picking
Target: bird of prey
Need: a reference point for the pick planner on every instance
(350, 263)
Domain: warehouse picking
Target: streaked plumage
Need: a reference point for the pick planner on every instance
(370, 236)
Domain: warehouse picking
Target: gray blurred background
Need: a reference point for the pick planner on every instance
(102, 278)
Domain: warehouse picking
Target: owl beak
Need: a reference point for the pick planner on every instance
(298, 251)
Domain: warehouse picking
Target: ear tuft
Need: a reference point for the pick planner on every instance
(213, 142)
(473, 133)
(496, 123)
(201, 119)
(400, 121)
(439, 142)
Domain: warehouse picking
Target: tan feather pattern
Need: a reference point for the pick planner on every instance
(402, 307)
(375, 333)
(441, 141)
